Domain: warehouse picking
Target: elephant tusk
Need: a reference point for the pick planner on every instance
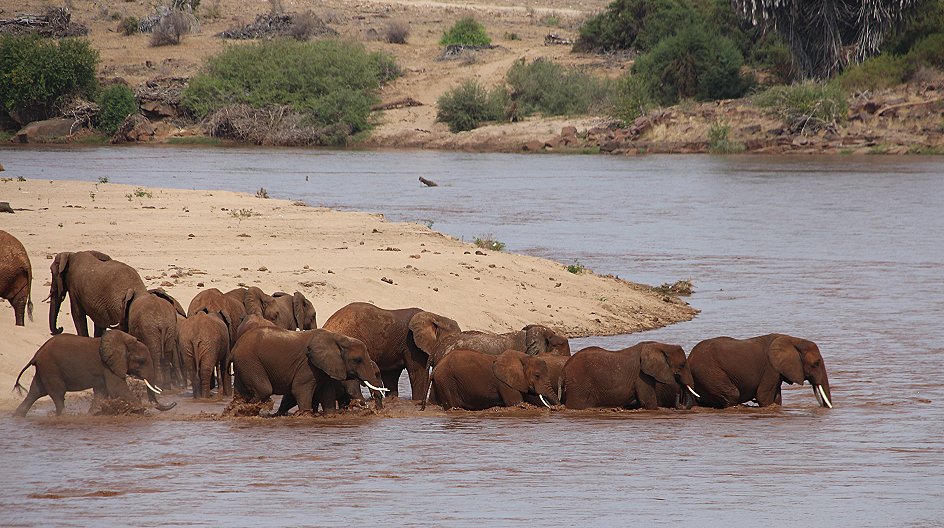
(378, 389)
(691, 390)
(156, 390)
(544, 401)
(822, 393)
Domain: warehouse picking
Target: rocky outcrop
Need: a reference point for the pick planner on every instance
(45, 130)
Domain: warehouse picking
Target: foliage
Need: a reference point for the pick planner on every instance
(876, 73)
(116, 102)
(718, 142)
(170, 29)
(692, 64)
(488, 242)
(679, 287)
(36, 74)
(633, 24)
(917, 24)
(386, 67)
(928, 51)
(330, 81)
(576, 268)
(465, 32)
(772, 54)
(469, 105)
(128, 26)
(397, 32)
(632, 98)
(807, 106)
(550, 88)
(824, 35)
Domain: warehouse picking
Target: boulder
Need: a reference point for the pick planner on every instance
(46, 130)
(533, 146)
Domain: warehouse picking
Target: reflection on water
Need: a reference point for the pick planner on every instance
(845, 251)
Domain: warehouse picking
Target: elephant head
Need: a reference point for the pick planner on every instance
(540, 339)
(344, 358)
(286, 311)
(663, 361)
(428, 328)
(57, 290)
(123, 355)
(798, 360)
(526, 374)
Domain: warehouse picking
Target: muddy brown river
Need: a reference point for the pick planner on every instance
(846, 251)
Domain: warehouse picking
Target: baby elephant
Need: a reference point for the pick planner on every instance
(68, 363)
(475, 380)
(203, 341)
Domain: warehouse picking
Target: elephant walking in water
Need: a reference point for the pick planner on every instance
(16, 277)
(473, 380)
(732, 371)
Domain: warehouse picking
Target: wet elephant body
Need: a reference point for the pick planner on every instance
(473, 380)
(16, 277)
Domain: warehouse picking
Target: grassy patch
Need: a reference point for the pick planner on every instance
(679, 287)
(718, 142)
(576, 268)
(488, 242)
(807, 106)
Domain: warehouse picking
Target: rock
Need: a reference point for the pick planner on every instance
(158, 110)
(751, 129)
(135, 128)
(533, 146)
(569, 132)
(48, 129)
(553, 143)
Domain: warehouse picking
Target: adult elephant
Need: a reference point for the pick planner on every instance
(286, 311)
(97, 286)
(474, 380)
(730, 371)
(16, 277)
(301, 366)
(67, 363)
(212, 300)
(203, 341)
(534, 340)
(151, 316)
(646, 375)
(396, 339)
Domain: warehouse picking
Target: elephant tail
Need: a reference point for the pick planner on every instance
(29, 306)
(17, 387)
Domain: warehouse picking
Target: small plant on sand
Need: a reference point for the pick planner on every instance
(397, 32)
(262, 193)
(240, 214)
(128, 26)
(679, 287)
(103, 179)
(718, 142)
(488, 242)
(141, 192)
(576, 268)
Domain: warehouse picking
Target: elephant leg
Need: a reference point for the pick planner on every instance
(391, 380)
(509, 396)
(36, 391)
(195, 382)
(327, 397)
(416, 369)
(225, 378)
(288, 401)
(304, 397)
(19, 310)
(646, 396)
(79, 317)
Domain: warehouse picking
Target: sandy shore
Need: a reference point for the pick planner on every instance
(186, 241)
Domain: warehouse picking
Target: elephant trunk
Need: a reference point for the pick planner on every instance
(152, 397)
(820, 383)
(55, 301)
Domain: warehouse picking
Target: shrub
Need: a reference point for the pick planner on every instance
(117, 102)
(128, 26)
(632, 98)
(634, 24)
(924, 21)
(549, 88)
(774, 55)
(488, 242)
(878, 72)
(332, 82)
(692, 64)
(170, 29)
(465, 32)
(397, 32)
(36, 74)
(386, 67)
(807, 106)
(468, 105)
(928, 51)
(304, 25)
(718, 142)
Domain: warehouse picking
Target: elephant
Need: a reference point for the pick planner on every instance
(286, 311)
(395, 339)
(203, 341)
(67, 362)
(646, 375)
(252, 321)
(300, 366)
(151, 316)
(16, 277)
(730, 371)
(97, 286)
(474, 380)
(213, 300)
(532, 340)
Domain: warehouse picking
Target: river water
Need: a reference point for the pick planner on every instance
(846, 251)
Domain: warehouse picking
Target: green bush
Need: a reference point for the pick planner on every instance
(693, 64)
(632, 98)
(36, 73)
(634, 24)
(879, 72)
(469, 105)
(805, 106)
(465, 32)
(117, 102)
(330, 81)
(928, 51)
(128, 26)
(550, 88)
(924, 21)
(774, 56)
(719, 142)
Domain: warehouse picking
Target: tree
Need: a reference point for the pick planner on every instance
(826, 35)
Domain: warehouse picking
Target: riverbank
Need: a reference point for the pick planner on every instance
(186, 241)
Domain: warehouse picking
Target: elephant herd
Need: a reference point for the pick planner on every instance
(255, 345)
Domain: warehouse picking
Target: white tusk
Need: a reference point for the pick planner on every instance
(691, 390)
(823, 394)
(152, 387)
(378, 389)
(544, 401)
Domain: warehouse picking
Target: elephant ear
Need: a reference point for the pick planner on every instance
(785, 357)
(302, 308)
(113, 351)
(509, 369)
(255, 301)
(160, 292)
(126, 310)
(99, 255)
(58, 268)
(324, 352)
(428, 328)
(654, 363)
(536, 339)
